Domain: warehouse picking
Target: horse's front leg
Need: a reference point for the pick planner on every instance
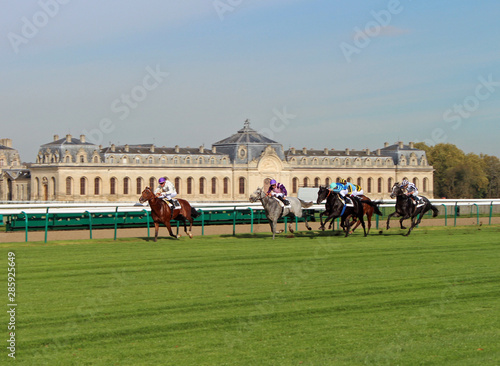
(347, 225)
(188, 233)
(396, 214)
(322, 226)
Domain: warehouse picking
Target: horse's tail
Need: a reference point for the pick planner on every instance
(435, 211)
(305, 204)
(194, 213)
(374, 204)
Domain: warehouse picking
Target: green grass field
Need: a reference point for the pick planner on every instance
(432, 298)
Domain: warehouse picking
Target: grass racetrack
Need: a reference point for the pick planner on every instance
(431, 298)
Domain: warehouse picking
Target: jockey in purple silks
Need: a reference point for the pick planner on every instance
(277, 190)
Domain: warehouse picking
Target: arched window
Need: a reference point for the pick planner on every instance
(152, 182)
(97, 186)
(369, 185)
(226, 185)
(138, 183)
(53, 183)
(389, 185)
(425, 184)
(126, 184)
(82, 186)
(82, 159)
(112, 186)
(214, 185)
(379, 185)
(68, 185)
(202, 185)
(242, 185)
(295, 185)
(349, 179)
(96, 159)
(415, 181)
(68, 159)
(190, 185)
(317, 182)
(327, 182)
(125, 160)
(360, 182)
(178, 185)
(306, 182)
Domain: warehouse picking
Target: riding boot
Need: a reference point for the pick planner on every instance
(282, 199)
(172, 207)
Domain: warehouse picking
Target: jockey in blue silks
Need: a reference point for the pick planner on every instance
(277, 190)
(345, 188)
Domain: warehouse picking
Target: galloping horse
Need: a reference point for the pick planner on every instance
(368, 209)
(407, 209)
(335, 208)
(274, 210)
(161, 213)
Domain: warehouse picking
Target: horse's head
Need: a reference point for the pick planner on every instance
(146, 195)
(396, 190)
(257, 195)
(322, 194)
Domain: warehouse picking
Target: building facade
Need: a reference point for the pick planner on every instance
(15, 178)
(74, 170)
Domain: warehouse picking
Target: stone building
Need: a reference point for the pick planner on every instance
(71, 169)
(14, 176)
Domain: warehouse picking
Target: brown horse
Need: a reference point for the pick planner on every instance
(368, 211)
(161, 212)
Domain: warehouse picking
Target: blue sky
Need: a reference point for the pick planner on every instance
(309, 74)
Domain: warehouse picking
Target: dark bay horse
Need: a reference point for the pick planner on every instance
(274, 210)
(408, 210)
(335, 208)
(368, 210)
(161, 213)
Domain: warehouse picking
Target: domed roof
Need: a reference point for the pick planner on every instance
(246, 135)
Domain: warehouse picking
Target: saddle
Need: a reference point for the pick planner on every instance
(347, 201)
(173, 204)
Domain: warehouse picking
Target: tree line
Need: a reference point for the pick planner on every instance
(460, 175)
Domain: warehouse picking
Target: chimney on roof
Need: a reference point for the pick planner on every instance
(152, 149)
(6, 142)
(367, 151)
(68, 138)
(214, 149)
(378, 152)
(202, 149)
(325, 151)
(126, 148)
(412, 145)
(113, 147)
(304, 150)
(401, 145)
(82, 139)
(177, 148)
(347, 151)
(292, 150)
(100, 147)
(56, 137)
(386, 144)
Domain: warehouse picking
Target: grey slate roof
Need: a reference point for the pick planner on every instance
(246, 135)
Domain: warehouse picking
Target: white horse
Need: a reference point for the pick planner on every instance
(274, 210)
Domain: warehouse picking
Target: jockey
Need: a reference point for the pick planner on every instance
(411, 190)
(166, 190)
(277, 190)
(346, 188)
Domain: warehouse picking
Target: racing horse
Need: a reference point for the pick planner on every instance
(161, 212)
(368, 209)
(408, 210)
(335, 208)
(274, 210)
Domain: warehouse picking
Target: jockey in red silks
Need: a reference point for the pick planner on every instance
(277, 190)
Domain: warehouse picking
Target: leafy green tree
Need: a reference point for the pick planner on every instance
(492, 170)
